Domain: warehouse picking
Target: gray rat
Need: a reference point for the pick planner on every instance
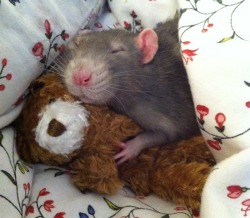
(140, 75)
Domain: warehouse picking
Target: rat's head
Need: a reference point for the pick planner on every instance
(98, 64)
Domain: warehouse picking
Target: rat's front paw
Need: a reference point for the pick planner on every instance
(129, 150)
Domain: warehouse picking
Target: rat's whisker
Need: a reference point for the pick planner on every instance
(124, 88)
(61, 62)
(118, 100)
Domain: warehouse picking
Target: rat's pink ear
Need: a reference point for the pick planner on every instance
(147, 42)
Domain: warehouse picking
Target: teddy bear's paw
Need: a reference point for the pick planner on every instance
(61, 125)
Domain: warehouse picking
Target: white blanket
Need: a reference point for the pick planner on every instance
(215, 42)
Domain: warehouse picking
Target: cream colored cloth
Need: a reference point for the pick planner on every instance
(214, 36)
(215, 40)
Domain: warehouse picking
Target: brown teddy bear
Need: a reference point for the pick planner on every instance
(56, 129)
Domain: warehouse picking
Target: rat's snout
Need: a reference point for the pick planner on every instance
(81, 77)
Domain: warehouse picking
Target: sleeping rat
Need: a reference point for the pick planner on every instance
(140, 75)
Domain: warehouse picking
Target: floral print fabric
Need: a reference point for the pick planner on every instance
(214, 36)
(214, 48)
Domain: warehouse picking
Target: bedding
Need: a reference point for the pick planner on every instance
(38, 190)
(215, 42)
(214, 37)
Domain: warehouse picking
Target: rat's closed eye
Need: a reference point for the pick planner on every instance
(117, 50)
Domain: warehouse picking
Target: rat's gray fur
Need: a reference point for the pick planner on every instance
(156, 95)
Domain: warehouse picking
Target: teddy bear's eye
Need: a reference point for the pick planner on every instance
(52, 100)
(38, 85)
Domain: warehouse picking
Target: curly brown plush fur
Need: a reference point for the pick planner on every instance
(176, 173)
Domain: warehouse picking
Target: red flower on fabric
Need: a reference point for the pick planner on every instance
(26, 186)
(4, 62)
(47, 27)
(48, 205)
(65, 36)
(186, 42)
(59, 215)
(29, 209)
(43, 192)
(214, 144)
(127, 25)
(38, 49)
(247, 204)
(202, 110)
(8, 76)
(133, 14)
(209, 25)
(2, 87)
(235, 191)
(188, 54)
(248, 104)
(220, 119)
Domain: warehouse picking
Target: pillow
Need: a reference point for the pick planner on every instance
(215, 40)
(215, 44)
(32, 34)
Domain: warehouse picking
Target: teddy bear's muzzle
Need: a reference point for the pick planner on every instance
(61, 126)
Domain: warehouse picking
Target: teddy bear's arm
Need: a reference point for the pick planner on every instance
(97, 173)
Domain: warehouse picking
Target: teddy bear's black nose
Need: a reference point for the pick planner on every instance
(55, 128)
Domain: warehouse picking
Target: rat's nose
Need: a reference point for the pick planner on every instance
(81, 77)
